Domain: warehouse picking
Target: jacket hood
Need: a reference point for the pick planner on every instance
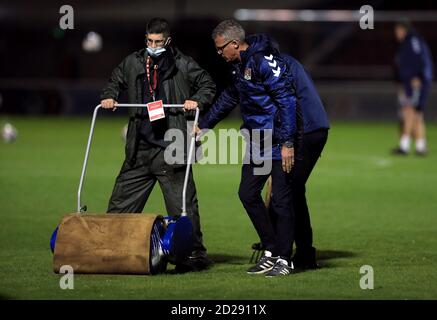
(259, 43)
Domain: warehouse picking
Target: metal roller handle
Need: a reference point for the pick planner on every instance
(81, 208)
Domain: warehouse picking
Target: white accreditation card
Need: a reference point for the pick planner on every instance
(156, 110)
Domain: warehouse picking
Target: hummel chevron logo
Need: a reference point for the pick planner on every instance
(273, 64)
(277, 71)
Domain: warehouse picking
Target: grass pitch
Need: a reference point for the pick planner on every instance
(367, 208)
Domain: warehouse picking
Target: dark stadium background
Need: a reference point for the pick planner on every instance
(44, 70)
(368, 206)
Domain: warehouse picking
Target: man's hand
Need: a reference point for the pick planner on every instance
(197, 132)
(190, 105)
(287, 155)
(109, 104)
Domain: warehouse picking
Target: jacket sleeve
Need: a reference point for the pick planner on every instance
(278, 83)
(227, 101)
(411, 62)
(201, 85)
(117, 82)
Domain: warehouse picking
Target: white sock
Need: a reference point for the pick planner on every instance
(404, 143)
(421, 145)
(267, 253)
(283, 261)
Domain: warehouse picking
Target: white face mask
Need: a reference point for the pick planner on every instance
(155, 52)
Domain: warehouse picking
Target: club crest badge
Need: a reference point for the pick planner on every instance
(247, 74)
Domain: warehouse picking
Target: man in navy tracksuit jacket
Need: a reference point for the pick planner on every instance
(414, 70)
(263, 87)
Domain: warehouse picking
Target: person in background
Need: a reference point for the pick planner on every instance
(309, 149)
(315, 135)
(414, 69)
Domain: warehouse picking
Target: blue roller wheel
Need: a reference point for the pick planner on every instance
(53, 239)
(177, 242)
(158, 260)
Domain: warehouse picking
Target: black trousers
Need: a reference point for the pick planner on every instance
(135, 183)
(310, 151)
(277, 235)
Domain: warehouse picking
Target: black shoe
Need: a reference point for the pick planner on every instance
(281, 268)
(305, 259)
(200, 259)
(264, 264)
(197, 261)
(258, 250)
(258, 246)
(399, 152)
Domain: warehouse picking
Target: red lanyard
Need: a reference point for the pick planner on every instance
(155, 77)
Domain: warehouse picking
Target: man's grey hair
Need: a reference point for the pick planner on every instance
(230, 30)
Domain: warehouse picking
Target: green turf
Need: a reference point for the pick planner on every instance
(368, 208)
